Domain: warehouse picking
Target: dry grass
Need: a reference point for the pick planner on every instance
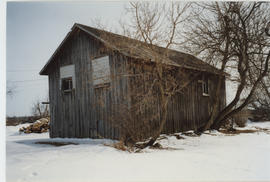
(136, 148)
(265, 130)
(235, 132)
(120, 146)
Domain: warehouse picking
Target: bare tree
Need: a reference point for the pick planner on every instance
(261, 100)
(232, 36)
(39, 109)
(10, 89)
(156, 79)
(157, 24)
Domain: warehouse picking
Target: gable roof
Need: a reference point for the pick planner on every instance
(138, 49)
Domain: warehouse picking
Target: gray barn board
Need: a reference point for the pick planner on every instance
(84, 111)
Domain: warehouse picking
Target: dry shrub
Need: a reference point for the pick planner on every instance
(138, 118)
(241, 118)
(134, 126)
(120, 146)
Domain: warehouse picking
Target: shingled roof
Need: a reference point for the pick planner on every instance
(139, 50)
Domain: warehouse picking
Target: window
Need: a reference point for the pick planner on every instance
(205, 87)
(67, 78)
(67, 84)
(101, 71)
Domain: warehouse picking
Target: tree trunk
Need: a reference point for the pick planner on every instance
(221, 119)
(215, 107)
(164, 111)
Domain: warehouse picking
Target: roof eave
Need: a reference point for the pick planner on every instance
(43, 71)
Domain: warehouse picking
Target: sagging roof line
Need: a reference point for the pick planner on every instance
(173, 53)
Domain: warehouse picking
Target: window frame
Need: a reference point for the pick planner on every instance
(70, 86)
(205, 86)
(67, 72)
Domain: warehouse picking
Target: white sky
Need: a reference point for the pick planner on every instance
(34, 31)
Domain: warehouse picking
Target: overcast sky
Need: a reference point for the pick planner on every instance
(34, 31)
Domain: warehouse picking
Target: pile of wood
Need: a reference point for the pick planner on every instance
(40, 126)
(13, 121)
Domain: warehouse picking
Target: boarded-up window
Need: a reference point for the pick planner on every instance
(67, 77)
(101, 70)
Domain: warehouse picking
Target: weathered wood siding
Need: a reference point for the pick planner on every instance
(190, 109)
(187, 110)
(80, 113)
(86, 112)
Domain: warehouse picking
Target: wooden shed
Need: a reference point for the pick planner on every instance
(92, 64)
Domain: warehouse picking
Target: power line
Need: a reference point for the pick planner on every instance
(26, 88)
(19, 71)
(22, 70)
(16, 81)
(29, 84)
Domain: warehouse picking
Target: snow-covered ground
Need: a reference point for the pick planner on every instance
(208, 157)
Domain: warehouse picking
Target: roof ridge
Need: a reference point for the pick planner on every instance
(124, 36)
(176, 58)
(144, 43)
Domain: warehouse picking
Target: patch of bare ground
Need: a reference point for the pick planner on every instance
(190, 134)
(212, 134)
(57, 144)
(138, 147)
(265, 130)
(236, 131)
(158, 146)
(177, 136)
(166, 148)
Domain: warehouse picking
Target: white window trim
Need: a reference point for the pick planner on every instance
(203, 83)
(66, 72)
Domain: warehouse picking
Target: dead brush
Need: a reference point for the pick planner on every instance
(235, 132)
(120, 146)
